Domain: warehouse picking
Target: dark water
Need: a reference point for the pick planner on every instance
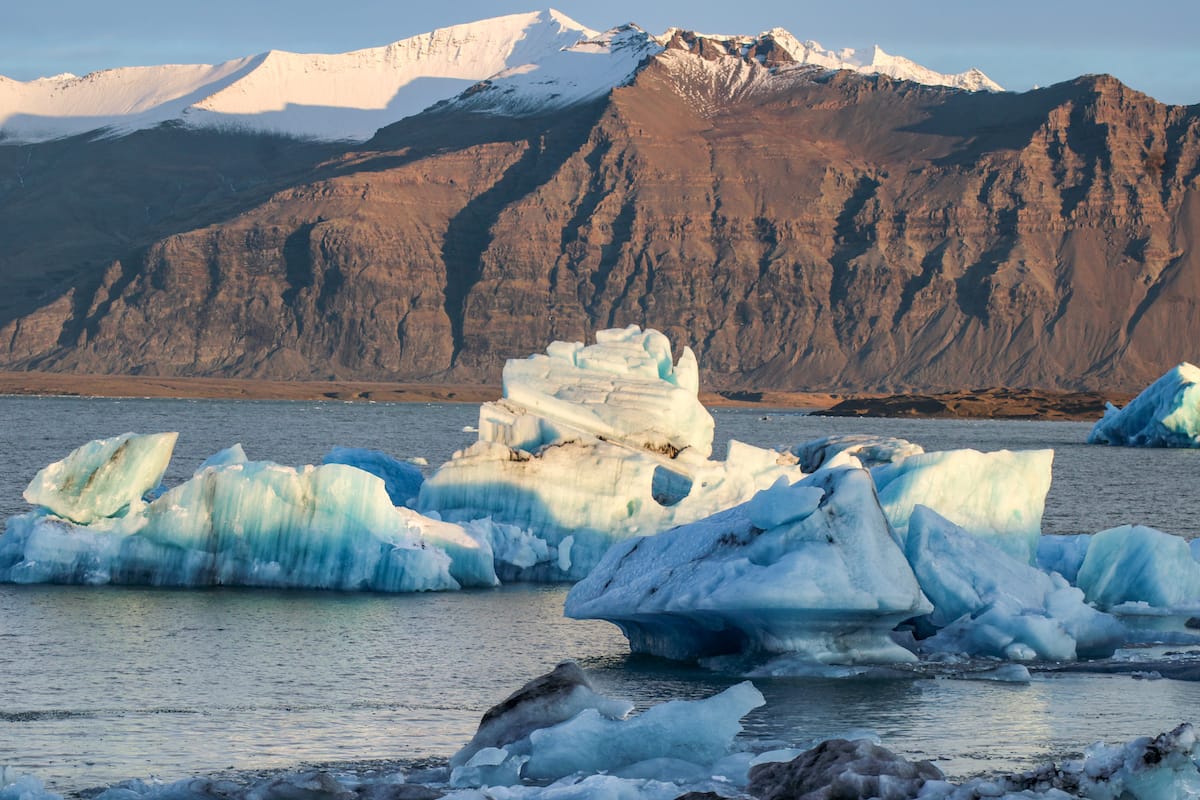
(97, 685)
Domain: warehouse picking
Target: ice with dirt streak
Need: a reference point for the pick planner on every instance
(102, 478)
(1165, 414)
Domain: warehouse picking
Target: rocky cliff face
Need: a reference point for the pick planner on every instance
(798, 229)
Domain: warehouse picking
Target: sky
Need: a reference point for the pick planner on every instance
(1151, 45)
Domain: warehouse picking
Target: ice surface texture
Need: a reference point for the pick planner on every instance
(826, 579)
(103, 477)
(1165, 414)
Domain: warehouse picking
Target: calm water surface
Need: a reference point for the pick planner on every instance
(98, 685)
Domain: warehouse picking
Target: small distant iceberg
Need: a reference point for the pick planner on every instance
(1165, 414)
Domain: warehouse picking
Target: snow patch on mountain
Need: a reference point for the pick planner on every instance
(583, 71)
(343, 96)
(516, 64)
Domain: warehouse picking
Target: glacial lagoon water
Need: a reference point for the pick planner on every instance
(99, 685)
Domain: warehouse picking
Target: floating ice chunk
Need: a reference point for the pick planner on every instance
(988, 603)
(999, 496)
(870, 451)
(103, 477)
(1165, 414)
(402, 481)
(830, 585)
(623, 388)
(1134, 563)
(257, 524)
(234, 454)
(547, 700)
(556, 726)
(1063, 553)
(1195, 546)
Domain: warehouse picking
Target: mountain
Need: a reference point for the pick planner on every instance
(542, 60)
(799, 227)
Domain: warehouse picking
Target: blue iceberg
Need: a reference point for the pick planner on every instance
(811, 568)
(1165, 414)
(244, 524)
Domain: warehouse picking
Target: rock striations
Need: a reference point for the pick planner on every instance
(796, 225)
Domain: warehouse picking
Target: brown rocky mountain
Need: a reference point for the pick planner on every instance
(819, 231)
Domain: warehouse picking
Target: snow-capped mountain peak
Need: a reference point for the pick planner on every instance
(519, 63)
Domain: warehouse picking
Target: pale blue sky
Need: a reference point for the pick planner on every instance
(1150, 44)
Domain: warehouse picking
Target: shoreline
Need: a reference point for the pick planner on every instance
(994, 403)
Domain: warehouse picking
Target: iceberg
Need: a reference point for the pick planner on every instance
(1165, 414)
(809, 568)
(402, 481)
(997, 496)
(556, 726)
(592, 445)
(102, 478)
(1136, 564)
(987, 603)
(257, 524)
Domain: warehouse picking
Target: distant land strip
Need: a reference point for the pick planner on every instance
(991, 403)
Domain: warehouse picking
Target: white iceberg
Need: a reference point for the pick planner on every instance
(593, 445)
(402, 481)
(103, 477)
(825, 578)
(624, 388)
(1165, 414)
(1136, 564)
(997, 496)
(259, 524)
(556, 726)
(985, 602)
